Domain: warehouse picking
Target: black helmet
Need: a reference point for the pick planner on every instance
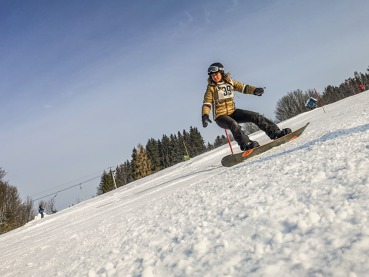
(215, 67)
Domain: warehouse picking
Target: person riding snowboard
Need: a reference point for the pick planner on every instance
(219, 97)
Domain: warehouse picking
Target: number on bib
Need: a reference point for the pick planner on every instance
(225, 91)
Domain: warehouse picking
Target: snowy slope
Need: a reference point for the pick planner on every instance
(297, 210)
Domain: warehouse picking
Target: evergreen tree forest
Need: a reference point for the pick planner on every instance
(157, 155)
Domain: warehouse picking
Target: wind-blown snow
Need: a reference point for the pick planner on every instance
(298, 210)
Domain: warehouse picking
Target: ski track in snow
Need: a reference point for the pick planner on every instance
(300, 209)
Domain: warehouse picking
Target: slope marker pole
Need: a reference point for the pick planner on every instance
(320, 100)
(229, 141)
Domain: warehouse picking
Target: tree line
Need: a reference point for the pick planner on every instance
(293, 103)
(13, 212)
(159, 154)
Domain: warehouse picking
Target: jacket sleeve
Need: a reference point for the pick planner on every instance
(207, 103)
(246, 89)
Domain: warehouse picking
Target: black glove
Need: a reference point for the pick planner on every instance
(258, 91)
(205, 120)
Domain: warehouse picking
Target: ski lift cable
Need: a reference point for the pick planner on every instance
(62, 185)
(79, 184)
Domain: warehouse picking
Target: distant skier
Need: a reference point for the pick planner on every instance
(41, 210)
(219, 97)
(361, 87)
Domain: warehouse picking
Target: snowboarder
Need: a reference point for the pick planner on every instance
(219, 97)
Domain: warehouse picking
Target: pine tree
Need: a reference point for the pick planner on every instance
(141, 163)
(220, 140)
(153, 153)
(165, 154)
(209, 146)
(196, 142)
(106, 183)
(124, 174)
(175, 150)
(161, 154)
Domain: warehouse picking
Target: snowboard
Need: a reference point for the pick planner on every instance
(231, 160)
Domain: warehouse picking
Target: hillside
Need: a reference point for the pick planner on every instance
(298, 210)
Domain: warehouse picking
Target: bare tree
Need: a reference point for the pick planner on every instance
(291, 105)
(27, 211)
(50, 206)
(13, 213)
(249, 128)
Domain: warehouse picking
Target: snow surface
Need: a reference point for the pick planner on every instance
(298, 210)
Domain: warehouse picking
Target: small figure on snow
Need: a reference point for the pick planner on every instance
(362, 87)
(219, 97)
(41, 210)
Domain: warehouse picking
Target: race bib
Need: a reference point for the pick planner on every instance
(225, 91)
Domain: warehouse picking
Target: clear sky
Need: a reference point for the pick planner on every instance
(83, 82)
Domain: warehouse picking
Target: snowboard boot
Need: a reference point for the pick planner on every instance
(249, 145)
(281, 133)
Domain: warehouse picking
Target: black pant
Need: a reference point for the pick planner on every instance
(242, 116)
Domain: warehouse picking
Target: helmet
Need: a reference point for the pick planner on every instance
(215, 67)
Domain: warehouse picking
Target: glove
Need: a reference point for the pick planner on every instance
(205, 120)
(258, 91)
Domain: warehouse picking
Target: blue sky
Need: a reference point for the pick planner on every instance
(83, 82)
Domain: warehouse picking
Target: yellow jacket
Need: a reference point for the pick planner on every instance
(219, 96)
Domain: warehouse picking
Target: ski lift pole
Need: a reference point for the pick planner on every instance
(184, 144)
(112, 175)
(229, 141)
(80, 192)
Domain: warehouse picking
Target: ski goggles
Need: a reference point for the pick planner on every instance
(214, 69)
